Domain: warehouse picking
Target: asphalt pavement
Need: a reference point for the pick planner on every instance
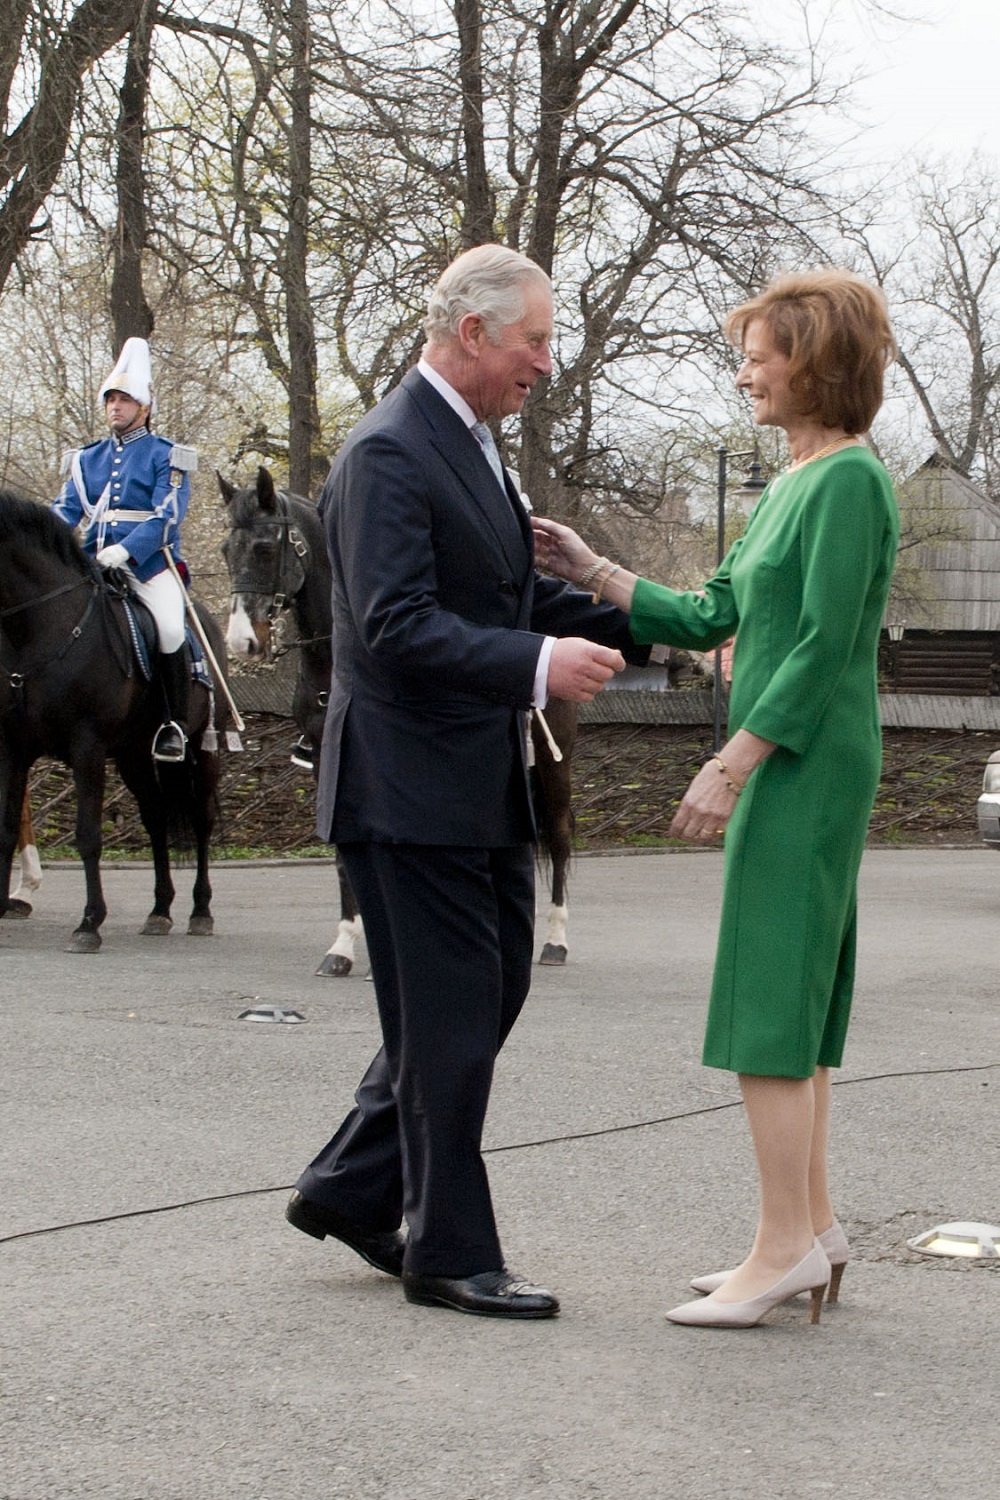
(165, 1335)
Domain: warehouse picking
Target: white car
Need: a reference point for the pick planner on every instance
(988, 806)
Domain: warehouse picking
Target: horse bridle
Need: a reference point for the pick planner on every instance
(16, 678)
(289, 571)
(289, 575)
(64, 588)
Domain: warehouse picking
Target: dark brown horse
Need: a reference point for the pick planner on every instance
(71, 688)
(277, 559)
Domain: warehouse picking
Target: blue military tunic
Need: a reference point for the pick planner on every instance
(133, 490)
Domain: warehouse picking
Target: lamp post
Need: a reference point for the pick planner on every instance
(748, 493)
(895, 631)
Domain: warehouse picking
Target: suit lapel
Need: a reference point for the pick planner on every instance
(505, 515)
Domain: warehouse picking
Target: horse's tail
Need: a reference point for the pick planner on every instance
(554, 818)
(551, 793)
(189, 797)
(178, 790)
(543, 844)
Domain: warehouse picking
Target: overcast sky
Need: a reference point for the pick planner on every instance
(934, 87)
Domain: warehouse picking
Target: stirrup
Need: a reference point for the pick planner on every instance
(170, 743)
(303, 754)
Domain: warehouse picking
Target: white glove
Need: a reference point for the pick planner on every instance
(115, 556)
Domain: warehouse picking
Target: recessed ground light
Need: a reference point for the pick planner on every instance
(969, 1241)
(270, 1013)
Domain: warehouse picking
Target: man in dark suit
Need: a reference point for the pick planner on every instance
(443, 638)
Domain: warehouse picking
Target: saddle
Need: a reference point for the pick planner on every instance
(143, 637)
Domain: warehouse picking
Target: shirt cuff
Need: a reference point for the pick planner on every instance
(540, 695)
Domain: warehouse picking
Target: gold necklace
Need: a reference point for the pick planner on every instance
(830, 448)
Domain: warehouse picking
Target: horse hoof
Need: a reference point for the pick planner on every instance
(18, 909)
(155, 926)
(334, 966)
(83, 942)
(553, 955)
(201, 927)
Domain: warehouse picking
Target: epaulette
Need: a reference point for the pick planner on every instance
(184, 458)
(70, 454)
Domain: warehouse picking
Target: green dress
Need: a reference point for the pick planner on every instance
(804, 590)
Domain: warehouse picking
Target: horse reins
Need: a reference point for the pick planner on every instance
(64, 588)
(289, 537)
(17, 677)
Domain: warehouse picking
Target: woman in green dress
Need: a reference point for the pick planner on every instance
(804, 592)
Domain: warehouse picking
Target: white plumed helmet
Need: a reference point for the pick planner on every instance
(133, 374)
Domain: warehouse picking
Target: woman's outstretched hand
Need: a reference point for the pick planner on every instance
(559, 550)
(706, 807)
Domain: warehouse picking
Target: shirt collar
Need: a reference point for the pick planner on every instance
(455, 401)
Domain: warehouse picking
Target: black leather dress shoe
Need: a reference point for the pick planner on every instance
(381, 1248)
(492, 1294)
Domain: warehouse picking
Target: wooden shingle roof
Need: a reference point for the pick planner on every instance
(951, 549)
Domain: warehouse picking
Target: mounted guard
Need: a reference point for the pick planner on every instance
(129, 493)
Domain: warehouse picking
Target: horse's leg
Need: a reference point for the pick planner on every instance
(152, 797)
(31, 866)
(309, 713)
(154, 820)
(555, 817)
(89, 778)
(13, 784)
(206, 776)
(560, 839)
(339, 958)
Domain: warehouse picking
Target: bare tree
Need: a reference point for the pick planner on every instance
(303, 418)
(130, 311)
(943, 283)
(243, 168)
(314, 165)
(650, 159)
(44, 57)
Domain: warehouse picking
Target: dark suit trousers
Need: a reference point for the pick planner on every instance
(450, 935)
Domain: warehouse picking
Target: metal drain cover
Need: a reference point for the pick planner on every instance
(278, 1013)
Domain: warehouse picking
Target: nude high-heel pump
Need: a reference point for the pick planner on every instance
(834, 1242)
(810, 1275)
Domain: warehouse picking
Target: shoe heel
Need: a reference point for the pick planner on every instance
(305, 1222)
(816, 1295)
(836, 1277)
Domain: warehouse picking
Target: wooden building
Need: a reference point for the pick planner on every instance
(943, 620)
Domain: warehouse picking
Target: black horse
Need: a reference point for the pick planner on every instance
(71, 688)
(276, 555)
(277, 559)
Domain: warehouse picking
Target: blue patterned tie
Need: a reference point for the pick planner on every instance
(489, 447)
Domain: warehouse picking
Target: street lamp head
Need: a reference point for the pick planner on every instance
(750, 490)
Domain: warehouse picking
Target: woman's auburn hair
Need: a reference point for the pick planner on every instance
(833, 327)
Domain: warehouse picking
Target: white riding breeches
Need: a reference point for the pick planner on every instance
(164, 598)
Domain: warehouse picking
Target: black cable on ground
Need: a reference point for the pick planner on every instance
(554, 1140)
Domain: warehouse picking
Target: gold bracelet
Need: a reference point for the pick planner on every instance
(589, 574)
(734, 785)
(612, 570)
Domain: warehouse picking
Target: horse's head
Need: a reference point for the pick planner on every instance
(265, 557)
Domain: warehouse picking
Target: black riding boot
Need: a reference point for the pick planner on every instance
(170, 741)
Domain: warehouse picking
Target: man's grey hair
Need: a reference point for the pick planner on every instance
(488, 280)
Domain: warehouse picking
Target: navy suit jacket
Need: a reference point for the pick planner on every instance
(438, 618)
